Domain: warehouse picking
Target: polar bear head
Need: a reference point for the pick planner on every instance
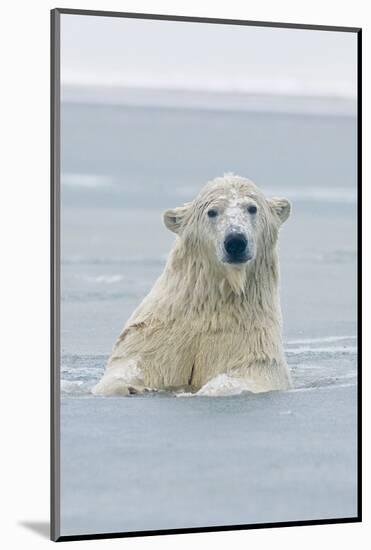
(230, 221)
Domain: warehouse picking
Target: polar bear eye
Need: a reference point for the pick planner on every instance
(252, 209)
(212, 213)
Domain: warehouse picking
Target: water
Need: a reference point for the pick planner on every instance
(160, 461)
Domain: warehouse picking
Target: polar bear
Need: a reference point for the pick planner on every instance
(212, 322)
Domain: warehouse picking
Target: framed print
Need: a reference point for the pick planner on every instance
(206, 195)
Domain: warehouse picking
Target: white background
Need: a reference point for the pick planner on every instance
(262, 60)
(24, 234)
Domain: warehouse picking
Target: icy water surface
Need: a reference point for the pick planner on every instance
(159, 461)
(313, 364)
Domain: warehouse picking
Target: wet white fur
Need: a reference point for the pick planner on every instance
(204, 317)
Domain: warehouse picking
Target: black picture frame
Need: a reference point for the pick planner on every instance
(55, 273)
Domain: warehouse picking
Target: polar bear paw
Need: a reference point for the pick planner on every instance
(223, 384)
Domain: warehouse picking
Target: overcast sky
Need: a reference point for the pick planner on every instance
(166, 54)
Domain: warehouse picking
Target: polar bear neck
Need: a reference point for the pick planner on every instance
(201, 288)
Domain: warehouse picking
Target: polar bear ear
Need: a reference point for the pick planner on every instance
(281, 206)
(173, 218)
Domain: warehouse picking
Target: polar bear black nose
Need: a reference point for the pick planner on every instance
(235, 244)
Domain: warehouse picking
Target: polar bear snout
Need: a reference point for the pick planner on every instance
(236, 248)
(235, 244)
